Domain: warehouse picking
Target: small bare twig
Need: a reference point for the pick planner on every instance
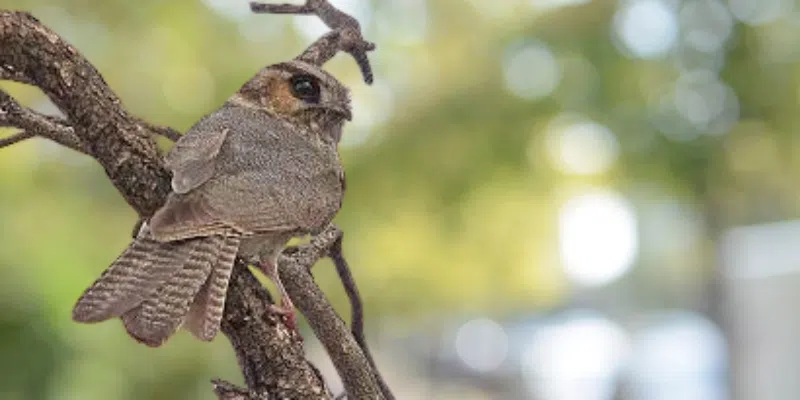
(228, 391)
(33, 123)
(165, 131)
(16, 138)
(299, 9)
(336, 254)
(346, 35)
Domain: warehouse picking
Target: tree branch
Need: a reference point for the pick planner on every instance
(345, 352)
(336, 253)
(34, 54)
(16, 138)
(270, 355)
(164, 131)
(32, 123)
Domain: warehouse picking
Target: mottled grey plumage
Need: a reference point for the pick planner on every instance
(247, 178)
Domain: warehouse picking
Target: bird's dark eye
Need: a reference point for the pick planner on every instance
(305, 87)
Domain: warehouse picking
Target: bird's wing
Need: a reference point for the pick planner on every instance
(193, 159)
(217, 207)
(255, 177)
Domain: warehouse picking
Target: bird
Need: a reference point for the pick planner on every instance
(246, 178)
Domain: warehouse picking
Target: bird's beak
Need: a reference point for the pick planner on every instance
(344, 112)
(341, 111)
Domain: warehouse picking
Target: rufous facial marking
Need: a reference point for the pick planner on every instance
(278, 97)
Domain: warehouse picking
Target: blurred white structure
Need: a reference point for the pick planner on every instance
(761, 265)
(678, 355)
(577, 357)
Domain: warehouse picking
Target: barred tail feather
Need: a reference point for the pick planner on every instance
(161, 314)
(205, 314)
(134, 276)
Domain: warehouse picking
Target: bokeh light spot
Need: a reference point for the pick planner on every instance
(706, 24)
(647, 28)
(709, 105)
(530, 70)
(579, 146)
(598, 237)
(482, 344)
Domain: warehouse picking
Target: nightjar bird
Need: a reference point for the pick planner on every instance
(247, 178)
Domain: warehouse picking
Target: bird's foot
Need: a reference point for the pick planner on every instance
(286, 307)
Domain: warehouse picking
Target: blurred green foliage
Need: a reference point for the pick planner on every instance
(453, 197)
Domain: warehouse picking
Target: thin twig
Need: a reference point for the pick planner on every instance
(299, 9)
(346, 35)
(357, 309)
(165, 131)
(33, 123)
(228, 391)
(16, 138)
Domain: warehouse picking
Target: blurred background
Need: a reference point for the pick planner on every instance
(547, 199)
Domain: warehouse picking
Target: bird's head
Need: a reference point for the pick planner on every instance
(299, 92)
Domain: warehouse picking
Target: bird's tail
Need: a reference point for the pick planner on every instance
(205, 313)
(152, 285)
